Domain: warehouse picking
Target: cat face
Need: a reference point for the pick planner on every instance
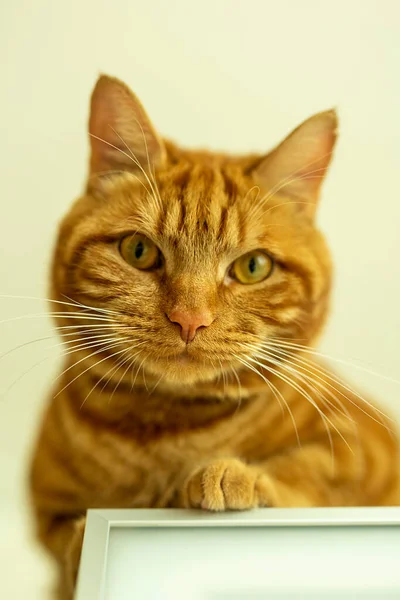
(196, 259)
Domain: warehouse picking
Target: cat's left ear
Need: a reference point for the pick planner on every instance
(121, 134)
(297, 167)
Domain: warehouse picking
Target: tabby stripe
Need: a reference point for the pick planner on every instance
(222, 223)
(70, 261)
(182, 215)
(67, 425)
(242, 227)
(230, 188)
(108, 383)
(96, 296)
(87, 276)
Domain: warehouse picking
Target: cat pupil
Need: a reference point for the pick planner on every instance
(139, 250)
(252, 265)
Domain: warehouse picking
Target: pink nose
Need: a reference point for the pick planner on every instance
(190, 322)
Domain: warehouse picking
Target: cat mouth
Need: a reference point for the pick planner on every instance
(188, 366)
(189, 358)
(184, 357)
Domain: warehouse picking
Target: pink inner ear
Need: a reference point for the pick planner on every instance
(103, 118)
(314, 170)
(298, 165)
(102, 127)
(120, 131)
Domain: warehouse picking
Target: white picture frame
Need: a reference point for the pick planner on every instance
(348, 537)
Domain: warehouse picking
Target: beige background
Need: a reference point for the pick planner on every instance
(232, 75)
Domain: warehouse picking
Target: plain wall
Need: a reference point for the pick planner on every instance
(233, 75)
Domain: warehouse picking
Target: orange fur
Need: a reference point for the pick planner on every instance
(139, 418)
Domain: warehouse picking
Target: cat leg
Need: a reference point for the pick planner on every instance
(63, 536)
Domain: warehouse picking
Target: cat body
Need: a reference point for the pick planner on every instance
(183, 282)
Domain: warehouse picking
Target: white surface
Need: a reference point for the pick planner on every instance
(226, 74)
(205, 564)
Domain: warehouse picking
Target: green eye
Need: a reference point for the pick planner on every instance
(252, 267)
(140, 252)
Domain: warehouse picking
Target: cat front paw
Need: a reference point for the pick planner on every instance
(226, 484)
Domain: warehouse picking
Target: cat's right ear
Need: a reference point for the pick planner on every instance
(122, 137)
(297, 167)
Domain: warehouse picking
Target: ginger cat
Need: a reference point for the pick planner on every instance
(184, 282)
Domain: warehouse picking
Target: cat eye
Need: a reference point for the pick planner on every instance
(140, 252)
(252, 267)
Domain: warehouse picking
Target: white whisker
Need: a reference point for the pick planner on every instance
(325, 373)
(63, 354)
(307, 375)
(72, 302)
(119, 343)
(124, 153)
(276, 393)
(137, 372)
(112, 368)
(239, 387)
(137, 163)
(130, 362)
(67, 315)
(307, 396)
(308, 350)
